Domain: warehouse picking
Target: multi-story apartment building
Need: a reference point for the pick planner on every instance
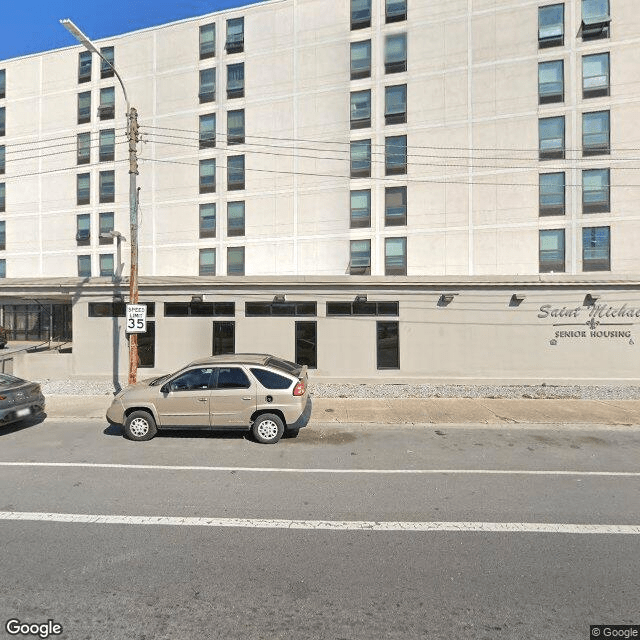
(440, 160)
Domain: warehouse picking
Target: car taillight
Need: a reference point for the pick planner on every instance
(299, 389)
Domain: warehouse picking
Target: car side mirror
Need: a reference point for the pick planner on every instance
(165, 388)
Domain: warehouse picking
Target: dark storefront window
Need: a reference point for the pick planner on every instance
(180, 309)
(307, 343)
(147, 347)
(116, 309)
(43, 321)
(280, 309)
(224, 338)
(387, 345)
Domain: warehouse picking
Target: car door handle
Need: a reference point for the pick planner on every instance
(247, 398)
(202, 399)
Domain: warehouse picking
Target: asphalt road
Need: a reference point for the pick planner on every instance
(345, 532)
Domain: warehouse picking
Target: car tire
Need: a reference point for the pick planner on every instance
(291, 433)
(267, 428)
(140, 426)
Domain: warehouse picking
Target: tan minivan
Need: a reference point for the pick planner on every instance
(260, 392)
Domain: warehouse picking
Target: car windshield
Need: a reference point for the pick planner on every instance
(160, 380)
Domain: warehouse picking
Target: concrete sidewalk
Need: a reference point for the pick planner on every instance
(417, 410)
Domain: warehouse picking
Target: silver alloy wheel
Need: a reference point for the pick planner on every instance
(268, 429)
(139, 427)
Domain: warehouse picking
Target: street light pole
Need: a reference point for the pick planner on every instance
(132, 135)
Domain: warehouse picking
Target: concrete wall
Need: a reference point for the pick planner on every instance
(478, 336)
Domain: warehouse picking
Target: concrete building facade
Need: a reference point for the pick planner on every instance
(383, 147)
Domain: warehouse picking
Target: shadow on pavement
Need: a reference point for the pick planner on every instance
(217, 434)
(14, 427)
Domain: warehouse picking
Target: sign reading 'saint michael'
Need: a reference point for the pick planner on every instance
(136, 318)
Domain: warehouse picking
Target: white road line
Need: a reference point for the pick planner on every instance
(331, 525)
(522, 472)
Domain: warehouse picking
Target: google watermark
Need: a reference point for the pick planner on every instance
(625, 631)
(43, 630)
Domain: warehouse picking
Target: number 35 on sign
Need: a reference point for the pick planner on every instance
(136, 318)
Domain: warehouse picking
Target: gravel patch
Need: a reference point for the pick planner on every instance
(323, 390)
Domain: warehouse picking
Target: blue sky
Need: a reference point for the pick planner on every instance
(32, 26)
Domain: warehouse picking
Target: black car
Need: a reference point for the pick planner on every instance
(19, 399)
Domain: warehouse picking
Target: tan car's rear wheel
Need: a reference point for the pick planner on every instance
(267, 428)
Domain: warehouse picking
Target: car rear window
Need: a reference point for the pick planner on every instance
(271, 380)
(290, 367)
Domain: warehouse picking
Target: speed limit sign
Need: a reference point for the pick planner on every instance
(136, 318)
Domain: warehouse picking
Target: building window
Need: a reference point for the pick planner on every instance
(235, 127)
(106, 264)
(387, 345)
(208, 220)
(3, 268)
(84, 148)
(3, 197)
(235, 261)
(207, 262)
(395, 104)
(83, 229)
(207, 91)
(2, 159)
(224, 338)
(551, 26)
(395, 257)
(595, 19)
(146, 346)
(361, 158)
(360, 14)
(107, 103)
(235, 35)
(3, 121)
(105, 227)
(360, 59)
(84, 266)
(106, 64)
(199, 309)
(235, 173)
(360, 109)
(207, 41)
(293, 308)
(370, 308)
(3, 235)
(395, 155)
(550, 81)
(235, 80)
(395, 206)
(360, 208)
(3, 83)
(84, 66)
(360, 258)
(307, 343)
(395, 10)
(84, 107)
(207, 131)
(595, 75)
(107, 186)
(208, 175)
(83, 189)
(595, 191)
(107, 145)
(596, 249)
(552, 250)
(551, 195)
(235, 218)
(116, 309)
(551, 137)
(395, 53)
(595, 133)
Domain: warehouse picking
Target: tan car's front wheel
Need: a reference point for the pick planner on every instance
(140, 426)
